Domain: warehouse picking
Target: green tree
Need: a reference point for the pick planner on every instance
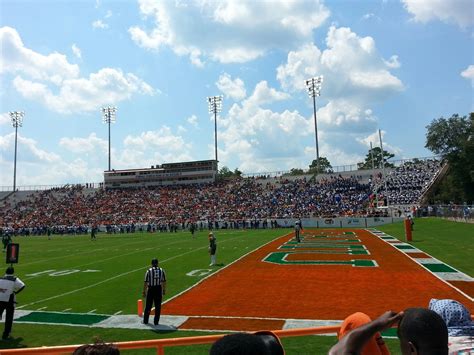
(453, 139)
(367, 164)
(324, 166)
(226, 173)
(237, 173)
(295, 171)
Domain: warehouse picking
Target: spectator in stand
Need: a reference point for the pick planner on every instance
(460, 325)
(375, 345)
(420, 331)
(98, 348)
(259, 343)
(74, 210)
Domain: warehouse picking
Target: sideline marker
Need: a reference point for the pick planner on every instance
(140, 307)
(408, 234)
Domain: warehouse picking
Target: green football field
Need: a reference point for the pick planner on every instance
(73, 274)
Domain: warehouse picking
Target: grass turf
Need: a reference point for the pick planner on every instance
(450, 242)
(74, 273)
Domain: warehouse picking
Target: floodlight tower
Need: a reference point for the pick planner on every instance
(17, 121)
(108, 116)
(215, 106)
(314, 89)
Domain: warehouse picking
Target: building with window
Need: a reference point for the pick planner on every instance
(193, 172)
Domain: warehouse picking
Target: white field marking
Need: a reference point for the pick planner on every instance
(65, 310)
(84, 252)
(133, 252)
(114, 257)
(112, 278)
(424, 267)
(40, 309)
(117, 313)
(225, 267)
(92, 311)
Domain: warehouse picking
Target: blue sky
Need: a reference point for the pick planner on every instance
(389, 65)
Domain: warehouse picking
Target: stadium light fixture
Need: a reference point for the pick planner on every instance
(108, 117)
(215, 106)
(17, 121)
(314, 89)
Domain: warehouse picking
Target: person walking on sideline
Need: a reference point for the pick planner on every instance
(298, 229)
(212, 248)
(9, 287)
(154, 288)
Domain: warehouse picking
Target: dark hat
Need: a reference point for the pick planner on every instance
(10, 270)
(154, 261)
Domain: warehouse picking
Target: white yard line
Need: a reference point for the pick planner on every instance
(40, 309)
(92, 311)
(117, 313)
(141, 268)
(65, 310)
(84, 252)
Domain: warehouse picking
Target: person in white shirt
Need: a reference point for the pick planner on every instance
(10, 285)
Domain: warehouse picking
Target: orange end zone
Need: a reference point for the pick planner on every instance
(233, 324)
(253, 288)
(464, 286)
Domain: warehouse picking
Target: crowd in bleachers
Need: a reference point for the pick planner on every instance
(231, 203)
(406, 183)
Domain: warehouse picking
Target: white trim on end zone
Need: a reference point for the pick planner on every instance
(424, 267)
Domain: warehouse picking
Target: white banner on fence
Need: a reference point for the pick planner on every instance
(338, 222)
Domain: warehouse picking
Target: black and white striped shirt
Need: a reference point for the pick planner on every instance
(155, 276)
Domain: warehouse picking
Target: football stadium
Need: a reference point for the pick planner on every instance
(328, 210)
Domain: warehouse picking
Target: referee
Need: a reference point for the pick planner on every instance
(154, 288)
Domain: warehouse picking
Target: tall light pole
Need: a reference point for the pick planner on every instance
(314, 89)
(383, 167)
(17, 121)
(108, 116)
(215, 106)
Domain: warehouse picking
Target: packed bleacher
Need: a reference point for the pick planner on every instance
(406, 183)
(231, 203)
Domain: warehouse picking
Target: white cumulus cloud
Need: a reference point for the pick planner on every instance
(57, 84)
(228, 31)
(84, 145)
(193, 120)
(468, 73)
(99, 24)
(459, 12)
(4, 118)
(16, 58)
(234, 89)
(77, 51)
(259, 138)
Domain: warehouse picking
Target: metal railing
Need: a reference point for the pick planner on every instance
(458, 212)
(338, 169)
(161, 344)
(91, 185)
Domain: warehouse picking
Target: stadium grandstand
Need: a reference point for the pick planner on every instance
(182, 193)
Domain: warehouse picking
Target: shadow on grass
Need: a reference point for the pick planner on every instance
(164, 329)
(12, 343)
